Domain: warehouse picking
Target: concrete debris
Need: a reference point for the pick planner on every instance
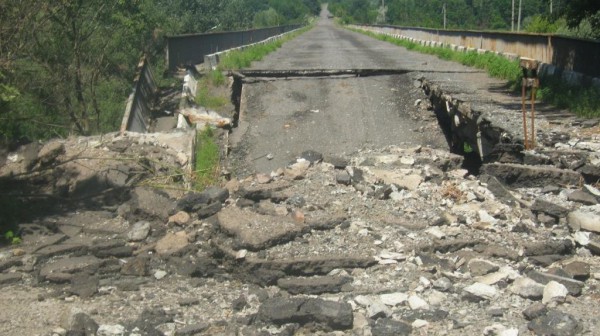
(586, 218)
(554, 292)
(383, 242)
(482, 291)
(139, 231)
(202, 117)
(527, 288)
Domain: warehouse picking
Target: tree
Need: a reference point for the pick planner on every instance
(66, 66)
(267, 18)
(578, 11)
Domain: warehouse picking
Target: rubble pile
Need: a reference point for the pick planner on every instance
(395, 241)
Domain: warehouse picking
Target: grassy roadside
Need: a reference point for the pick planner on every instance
(239, 59)
(206, 168)
(210, 94)
(583, 101)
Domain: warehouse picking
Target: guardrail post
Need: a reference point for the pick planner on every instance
(530, 79)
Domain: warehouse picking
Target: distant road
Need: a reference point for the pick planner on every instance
(334, 115)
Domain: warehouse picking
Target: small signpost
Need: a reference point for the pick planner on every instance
(529, 67)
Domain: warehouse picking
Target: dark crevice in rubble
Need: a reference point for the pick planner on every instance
(236, 99)
(313, 73)
(471, 134)
(456, 144)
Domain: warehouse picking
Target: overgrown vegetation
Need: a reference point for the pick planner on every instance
(206, 169)
(207, 150)
(496, 66)
(583, 101)
(208, 99)
(66, 67)
(239, 59)
(580, 18)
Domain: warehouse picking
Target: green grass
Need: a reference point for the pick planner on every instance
(206, 99)
(216, 77)
(206, 169)
(239, 59)
(583, 101)
(495, 65)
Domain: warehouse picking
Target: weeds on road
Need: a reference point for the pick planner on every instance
(239, 59)
(207, 99)
(496, 65)
(206, 167)
(207, 94)
(583, 101)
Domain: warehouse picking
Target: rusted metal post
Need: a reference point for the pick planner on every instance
(523, 90)
(533, 89)
(529, 67)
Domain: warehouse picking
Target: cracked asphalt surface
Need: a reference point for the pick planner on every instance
(331, 115)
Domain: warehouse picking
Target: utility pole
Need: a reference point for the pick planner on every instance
(444, 10)
(512, 17)
(519, 22)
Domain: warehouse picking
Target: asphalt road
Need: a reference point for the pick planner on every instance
(285, 117)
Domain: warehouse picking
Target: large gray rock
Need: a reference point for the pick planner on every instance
(343, 178)
(555, 323)
(256, 232)
(298, 170)
(333, 315)
(574, 286)
(522, 176)
(67, 247)
(80, 324)
(193, 201)
(62, 270)
(10, 278)
(314, 285)
(111, 330)
(590, 172)
(84, 286)
(586, 218)
(527, 288)
(554, 291)
(389, 327)
(192, 329)
(312, 156)
(479, 267)
(548, 247)
(481, 291)
(535, 310)
(579, 270)
(77, 323)
(548, 208)
(139, 231)
(152, 203)
(263, 191)
(580, 196)
(378, 309)
(267, 272)
(172, 243)
(498, 189)
(137, 266)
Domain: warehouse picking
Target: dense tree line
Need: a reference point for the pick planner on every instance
(66, 66)
(580, 18)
